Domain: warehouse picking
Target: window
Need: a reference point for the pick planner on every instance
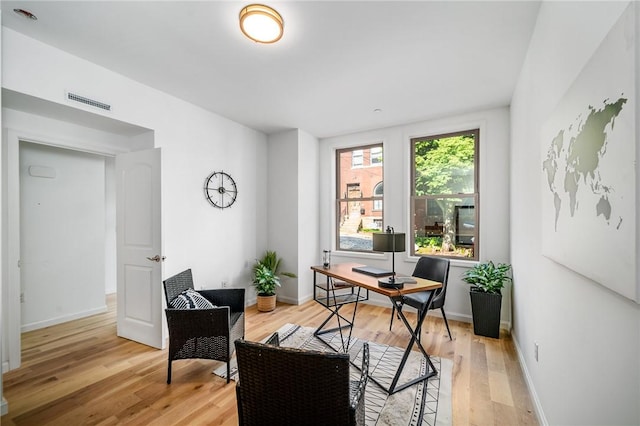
(359, 206)
(444, 195)
(376, 156)
(377, 192)
(357, 158)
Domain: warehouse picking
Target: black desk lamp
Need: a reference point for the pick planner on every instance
(389, 242)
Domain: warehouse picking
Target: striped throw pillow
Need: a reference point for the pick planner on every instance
(191, 299)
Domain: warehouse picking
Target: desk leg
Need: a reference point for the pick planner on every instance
(345, 349)
(335, 311)
(431, 370)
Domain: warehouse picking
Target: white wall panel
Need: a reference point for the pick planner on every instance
(62, 228)
(217, 244)
(494, 197)
(588, 369)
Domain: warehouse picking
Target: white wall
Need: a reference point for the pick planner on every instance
(309, 176)
(110, 265)
(217, 244)
(3, 402)
(62, 227)
(282, 207)
(293, 209)
(494, 197)
(588, 372)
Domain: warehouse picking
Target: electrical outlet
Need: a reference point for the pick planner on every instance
(535, 350)
(21, 297)
(225, 283)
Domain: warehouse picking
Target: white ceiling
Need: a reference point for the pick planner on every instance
(337, 61)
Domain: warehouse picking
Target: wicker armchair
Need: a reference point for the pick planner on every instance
(203, 333)
(287, 386)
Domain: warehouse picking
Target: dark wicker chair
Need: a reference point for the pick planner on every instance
(203, 333)
(287, 386)
(434, 269)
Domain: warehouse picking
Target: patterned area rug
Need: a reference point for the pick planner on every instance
(401, 408)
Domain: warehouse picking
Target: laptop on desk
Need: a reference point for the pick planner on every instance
(370, 270)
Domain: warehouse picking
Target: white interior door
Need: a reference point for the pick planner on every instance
(139, 247)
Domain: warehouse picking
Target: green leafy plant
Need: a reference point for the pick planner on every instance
(434, 241)
(265, 280)
(266, 274)
(488, 277)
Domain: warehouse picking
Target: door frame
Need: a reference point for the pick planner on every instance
(12, 276)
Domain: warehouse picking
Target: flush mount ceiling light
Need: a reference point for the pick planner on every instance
(26, 14)
(261, 23)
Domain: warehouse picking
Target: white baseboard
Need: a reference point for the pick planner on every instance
(284, 299)
(385, 304)
(436, 312)
(289, 300)
(5, 366)
(450, 315)
(537, 405)
(305, 299)
(59, 320)
(299, 301)
(4, 407)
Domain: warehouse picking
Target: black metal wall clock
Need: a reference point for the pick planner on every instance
(220, 189)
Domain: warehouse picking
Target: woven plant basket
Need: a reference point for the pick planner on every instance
(266, 303)
(485, 308)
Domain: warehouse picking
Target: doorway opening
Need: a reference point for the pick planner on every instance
(67, 234)
(101, 143)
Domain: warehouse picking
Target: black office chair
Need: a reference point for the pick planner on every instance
(434, 269)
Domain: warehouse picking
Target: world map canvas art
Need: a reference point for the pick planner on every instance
(589, 168)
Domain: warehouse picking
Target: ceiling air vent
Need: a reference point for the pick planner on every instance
(87, 101)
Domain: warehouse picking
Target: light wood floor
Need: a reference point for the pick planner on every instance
(80, 373)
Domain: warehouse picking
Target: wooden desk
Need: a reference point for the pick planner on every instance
(344, 272)
(356, 282)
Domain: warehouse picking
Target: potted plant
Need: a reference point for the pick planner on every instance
(487, 281)
(266, 277)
